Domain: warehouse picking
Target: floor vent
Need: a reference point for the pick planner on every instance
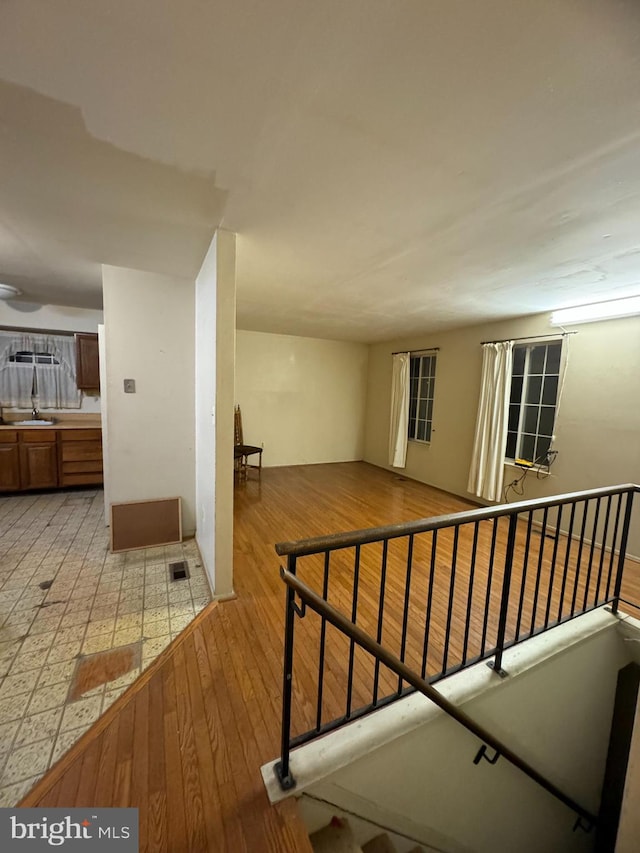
(179, 571)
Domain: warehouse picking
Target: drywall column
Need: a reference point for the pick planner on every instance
(149, 320)
(225, 398)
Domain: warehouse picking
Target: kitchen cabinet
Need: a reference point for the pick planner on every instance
(50, 458)
(38, 460)
(80, 457)
(87, 362)
(9, 461)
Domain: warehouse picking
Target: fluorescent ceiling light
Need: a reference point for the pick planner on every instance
(598, 311)
(8, 291)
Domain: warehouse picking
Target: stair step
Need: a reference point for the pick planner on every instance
(379, 844)
(336, 837)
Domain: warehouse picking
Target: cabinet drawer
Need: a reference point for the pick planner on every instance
(8, 436)
(87, 467)
(80, 451)
(81, 479)
(80, 435)
(38, 436)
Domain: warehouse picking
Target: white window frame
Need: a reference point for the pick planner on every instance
(414, 423)
(526, 379)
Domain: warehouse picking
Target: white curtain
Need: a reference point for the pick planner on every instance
(490, 442)
(399, 410)
(55, 383)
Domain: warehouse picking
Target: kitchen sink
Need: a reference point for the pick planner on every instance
(34, 422)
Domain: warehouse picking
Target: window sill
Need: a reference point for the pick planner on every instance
(509, 463)
(418, 441)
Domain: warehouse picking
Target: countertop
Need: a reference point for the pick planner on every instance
(77, 422)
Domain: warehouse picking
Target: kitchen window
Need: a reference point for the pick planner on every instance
(422, 371)
(535, 379)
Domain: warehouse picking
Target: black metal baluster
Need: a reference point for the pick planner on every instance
(405, 612)
(352, 645)
(613, 546)
(603, 547)
(282, 769)
(567, 557)
(552, 571)
(623, 552)
(525, 568)
(594, 533)
(383, 582)
(583, 527)
(487, 602)
(427, 619)
(472, 570)
(323, 633)
(452, 584)
(506, 590)
(536, 592)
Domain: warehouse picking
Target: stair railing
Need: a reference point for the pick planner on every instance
(528, 587)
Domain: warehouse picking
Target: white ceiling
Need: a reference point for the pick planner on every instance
(390, 166)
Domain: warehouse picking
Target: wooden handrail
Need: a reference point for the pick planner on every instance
(335, 541)
(338, 620)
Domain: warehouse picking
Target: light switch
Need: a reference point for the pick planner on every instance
(129, 386)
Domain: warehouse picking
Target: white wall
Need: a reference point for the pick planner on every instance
(303, 398)
(149, 336)
(215, 342)
(59, 317)
(598, 424)
(554, 710)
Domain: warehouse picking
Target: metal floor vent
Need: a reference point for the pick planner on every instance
(179, 571)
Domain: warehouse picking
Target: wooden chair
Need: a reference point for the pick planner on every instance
(242, 451)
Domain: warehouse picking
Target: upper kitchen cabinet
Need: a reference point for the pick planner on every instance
(87, 364)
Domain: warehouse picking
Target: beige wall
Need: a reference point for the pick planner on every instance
(149, 337)
(303, 398)
(598, 429)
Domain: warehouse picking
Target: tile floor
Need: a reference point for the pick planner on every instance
(93, 601)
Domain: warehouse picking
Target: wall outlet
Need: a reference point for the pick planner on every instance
(129, 386)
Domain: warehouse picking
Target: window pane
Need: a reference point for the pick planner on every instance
(512, 440)
(542, 448)
(424, 386)
(428, 433)
(527, 448)
(546, 420)
(412, 409)
(415, 366)
(518, 360)
(432, 366)
(429, 410)
(530, 419)
(536, 360)
(553, 358)
(412, 427)
(514, 417)
(422, 430)
(414, 386)
(534, 389)
(516, 389)
(550, 391)
(422, 410)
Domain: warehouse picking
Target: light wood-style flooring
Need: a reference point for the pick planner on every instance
(186, 742)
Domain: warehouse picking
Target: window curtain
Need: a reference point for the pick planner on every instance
(55, 383)
(490, 442)
(399, 410)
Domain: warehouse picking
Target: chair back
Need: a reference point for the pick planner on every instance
(237, 426)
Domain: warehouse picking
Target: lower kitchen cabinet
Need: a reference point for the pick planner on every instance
(49, 458)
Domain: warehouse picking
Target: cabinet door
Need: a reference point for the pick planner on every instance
(87, 364)
(9, 467)
(39, 465)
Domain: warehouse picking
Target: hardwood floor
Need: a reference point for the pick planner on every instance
(186, 742)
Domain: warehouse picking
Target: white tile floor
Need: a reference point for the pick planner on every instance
(97, 601)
